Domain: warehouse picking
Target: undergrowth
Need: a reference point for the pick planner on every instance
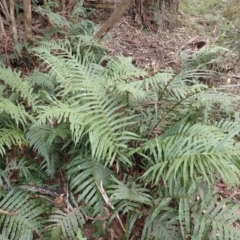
(88, 137)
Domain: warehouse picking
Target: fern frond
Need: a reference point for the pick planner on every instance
(194, 150)
(66, 224)
(56, 19)
(24, 216)
(42, 139)
(131, 192)
(13, 79)
(24, 167)
(41, 80)
(16, 112)
(122, 70)
(201, 58)
(211, 218)
(164, 226)
(85, 177)
(10, 137)
(88, 106)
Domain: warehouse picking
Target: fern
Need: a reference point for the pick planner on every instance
(25, 169)
(194, 150)
(211, 218)
(65, 225)
(17, 112)
(85, 176)
(14, 80)
(23, 218)
(128, 197)
(202, 58)
(45, 140)
(89, 107)
(10, 137)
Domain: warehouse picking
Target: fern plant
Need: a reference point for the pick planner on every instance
(20, 216)
(142, 145)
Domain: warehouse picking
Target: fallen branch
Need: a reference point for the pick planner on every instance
(107, 201)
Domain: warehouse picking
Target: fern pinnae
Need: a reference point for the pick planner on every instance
(17, 112)
(27, 218)
(13, 80)
(10, 137)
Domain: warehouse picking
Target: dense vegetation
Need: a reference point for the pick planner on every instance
(108, 142)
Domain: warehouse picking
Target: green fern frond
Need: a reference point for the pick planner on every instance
(209, 217)
(194, 150)
(13, 79)
(10, 137)
(131, 191)
(121, 70)
(163, 227)
(84, 28)
(87, 106)
(23, 217)
(85, 177)
(201, 58)
(16, 112)
(42, 140)
(66, 224)
(41, 80)
(24, 167)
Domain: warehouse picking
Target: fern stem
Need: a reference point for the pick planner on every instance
(171, 109)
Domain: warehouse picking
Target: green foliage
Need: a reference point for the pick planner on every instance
(11, 137)
(65, 225)
(143, 145)
(130, 196)
(103, 121)
(209, 216)
(193, 150)
(79, 235)
(22, 217)
(85, 176)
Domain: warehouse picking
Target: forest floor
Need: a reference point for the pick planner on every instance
(160, 51)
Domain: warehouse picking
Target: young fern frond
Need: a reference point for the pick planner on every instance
(22, 218)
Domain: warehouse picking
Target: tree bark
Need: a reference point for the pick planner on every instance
(164, 13)
(13, 22)
(123, 6)
(28, 19)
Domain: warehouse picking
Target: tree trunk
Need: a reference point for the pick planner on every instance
(163, 13)
(28, 19)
